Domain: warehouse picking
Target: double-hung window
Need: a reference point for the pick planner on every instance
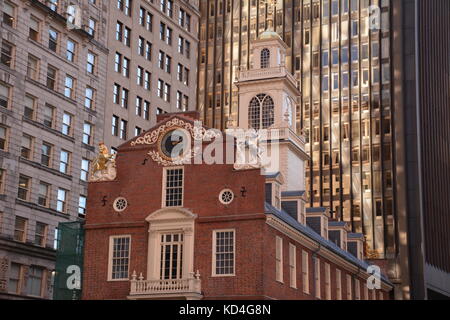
(173, 187)
(119, 258)
(224, 253)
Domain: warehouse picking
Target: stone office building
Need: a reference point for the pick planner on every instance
(52, 100)
(152, 64)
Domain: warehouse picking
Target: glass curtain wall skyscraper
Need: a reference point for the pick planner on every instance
(340, 51)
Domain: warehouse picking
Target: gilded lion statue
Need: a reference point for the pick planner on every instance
(103, 166)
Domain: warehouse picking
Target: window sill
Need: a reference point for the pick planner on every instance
(45, 168)
(44, 127)
(117, 280)
(223, 275)
(35, 206)
(52, 91)
(88, 147)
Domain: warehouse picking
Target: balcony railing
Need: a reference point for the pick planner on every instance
(274, 72)
(161, 287)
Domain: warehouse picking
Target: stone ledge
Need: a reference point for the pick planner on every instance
(44, 127)
(34, 206)
(42, 167)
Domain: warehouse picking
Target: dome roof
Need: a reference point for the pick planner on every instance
(269, 34)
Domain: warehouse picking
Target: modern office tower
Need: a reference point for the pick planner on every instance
(350, 59)
(152, 64)
(52, 86)
(344, 71)
(424, 100)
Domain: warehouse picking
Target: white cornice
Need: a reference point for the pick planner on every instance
(306, 241)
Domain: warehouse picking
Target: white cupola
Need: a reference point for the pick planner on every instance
(268, 98)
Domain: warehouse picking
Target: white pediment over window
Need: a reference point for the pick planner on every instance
(169, 221)
(170, 214)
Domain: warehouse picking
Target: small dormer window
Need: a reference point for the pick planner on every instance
(265, 58)
(277, 196)
(325, 228)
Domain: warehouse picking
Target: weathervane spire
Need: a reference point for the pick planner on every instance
(271, 8)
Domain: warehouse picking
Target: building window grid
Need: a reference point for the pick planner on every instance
(327, 281)
(171, 262)
(84, 173)
(46, 154)
(2, 181)
(224, 254)
(317, 278)
(261, 112)
(52, 40)
(15, 282)
(349, 287)
(9, 14)
(265, 58)
(82, 206)
(305, 271)
(119, 257)
(20, 229)
(35, 281)
(293, 265)
(90, 66)
(33, 67)
(279, 259)
(40, 237)
(61, 203)
(66, 128)
(338, 285)
(89, 98)
(64, 162)
(146, 110)
(26, 150)
(174, 180)
(87, 133)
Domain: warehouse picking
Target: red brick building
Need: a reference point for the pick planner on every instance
(223, 239)
(160, 228)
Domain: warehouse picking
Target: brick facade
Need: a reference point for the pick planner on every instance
(140, 183)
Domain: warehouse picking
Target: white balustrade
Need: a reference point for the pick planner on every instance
(139, 286)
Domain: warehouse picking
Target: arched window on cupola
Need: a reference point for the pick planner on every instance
(265, 58)
(261, 112)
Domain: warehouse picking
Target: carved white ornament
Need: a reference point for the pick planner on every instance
(120, 204)
(186, 159)
(226, 196)
(197, 132)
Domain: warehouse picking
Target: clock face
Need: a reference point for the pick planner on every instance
(174, 143)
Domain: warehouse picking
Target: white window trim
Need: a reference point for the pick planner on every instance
(338, 285)
(293, 265)
(374, 294)
(279, 262)
(163, 193)
(213, 263)
(317, 278)
(275, 195)
(170, 220)
(357, 290)
(305, 271)
(327, 281)
(366, 292)
(349, 287)
(111, 244)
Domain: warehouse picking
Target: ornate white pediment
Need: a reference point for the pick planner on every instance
(170, 215)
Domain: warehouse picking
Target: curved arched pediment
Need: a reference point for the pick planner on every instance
(170, 214)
